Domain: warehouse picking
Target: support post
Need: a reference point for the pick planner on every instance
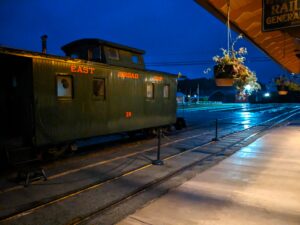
(158, 161)
(216, 134)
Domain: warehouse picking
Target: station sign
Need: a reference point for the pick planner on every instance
(280, 14)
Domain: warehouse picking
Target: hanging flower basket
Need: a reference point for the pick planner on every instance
(282, 90)
(230, 70)
(223, 75)
(282, 84)
(286, 85)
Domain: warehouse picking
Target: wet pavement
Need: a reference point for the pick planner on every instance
(260, 184)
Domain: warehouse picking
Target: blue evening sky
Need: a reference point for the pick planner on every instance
(177, 35)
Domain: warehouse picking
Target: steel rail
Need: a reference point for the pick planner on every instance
(212, 121)
(31, 210)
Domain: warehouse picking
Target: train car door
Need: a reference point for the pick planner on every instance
(16, 95)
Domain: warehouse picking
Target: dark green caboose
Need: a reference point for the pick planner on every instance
(99, 88)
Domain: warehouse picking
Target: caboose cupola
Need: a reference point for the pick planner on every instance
(106, 52)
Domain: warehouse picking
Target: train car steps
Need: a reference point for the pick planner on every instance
(26, 163)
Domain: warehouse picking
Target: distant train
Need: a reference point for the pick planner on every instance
(99, 88)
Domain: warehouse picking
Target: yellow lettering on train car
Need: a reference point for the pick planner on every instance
(128, 75)
(154, 79)
(82, 69)
(158, 78)
(128, 114)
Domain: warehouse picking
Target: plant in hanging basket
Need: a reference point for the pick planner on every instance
(285, 85)
(223, 75)
(294, 86)
(245, 80)
(227, 65)
(230, 67)
(282, 85)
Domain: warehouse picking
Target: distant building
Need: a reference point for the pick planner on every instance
(180, 98)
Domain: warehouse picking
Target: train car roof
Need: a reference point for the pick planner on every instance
(95, 42)
(27, 53)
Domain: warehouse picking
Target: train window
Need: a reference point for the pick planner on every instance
(99, 88)
(150, 91)
(135, 59)
(97, 54)
(113, 53)
(166, 91)
(14, 81)
(64, 87)
(90, 54)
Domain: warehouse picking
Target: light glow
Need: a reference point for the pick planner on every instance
(248, 87)
(245, 115)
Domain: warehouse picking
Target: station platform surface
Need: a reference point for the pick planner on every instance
(259, 184)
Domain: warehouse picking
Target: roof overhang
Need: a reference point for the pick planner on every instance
(282, 45)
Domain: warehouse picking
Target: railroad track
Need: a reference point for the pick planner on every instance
(206, 128)
(254, 131)
(193, 124)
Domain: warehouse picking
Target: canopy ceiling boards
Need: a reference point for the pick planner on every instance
(277, 34)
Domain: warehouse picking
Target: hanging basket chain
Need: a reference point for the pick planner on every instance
(228, 26)
(230, 68)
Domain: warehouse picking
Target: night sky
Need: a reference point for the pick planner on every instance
(177, 35)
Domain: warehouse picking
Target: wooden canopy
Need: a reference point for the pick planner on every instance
(246, 17)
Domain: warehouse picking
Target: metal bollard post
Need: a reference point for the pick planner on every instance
(158, 161)
(216, 135)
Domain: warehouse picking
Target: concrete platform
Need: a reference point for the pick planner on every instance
(260, 184)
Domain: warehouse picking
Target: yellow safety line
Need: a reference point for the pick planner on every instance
(95, 164)
(29, 211)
